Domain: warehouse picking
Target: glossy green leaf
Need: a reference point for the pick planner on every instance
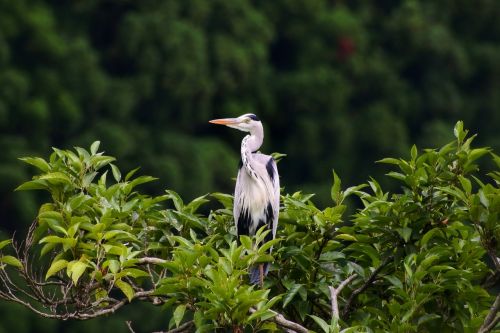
(55, 267)
(94, 147)
(4, 243)
(126, 288)
(290, 294)
(335, 191)
(38, 162)
(75, 270)
(322, 323)
(116, 172)
(12, 261)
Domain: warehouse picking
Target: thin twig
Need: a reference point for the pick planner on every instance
(129, 325)
(334, 293)
(186, 327)
(492, 318)
(284, 323)
(365, 285)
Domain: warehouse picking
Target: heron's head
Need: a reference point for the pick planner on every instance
(246, 123)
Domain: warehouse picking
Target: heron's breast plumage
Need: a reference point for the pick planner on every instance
(253, 201)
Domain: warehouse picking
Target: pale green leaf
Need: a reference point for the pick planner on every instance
(126, 289)
(55, 267)
(94, 147)
(324, 326)
(116, 173)
(75, 270)
(38, 162)
(4, 243)
(179, 314)
(10, 260)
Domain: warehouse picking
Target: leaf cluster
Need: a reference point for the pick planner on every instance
(421, 259)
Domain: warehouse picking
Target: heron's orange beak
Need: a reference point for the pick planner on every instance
(225, 121)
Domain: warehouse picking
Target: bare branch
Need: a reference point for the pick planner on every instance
(334, 293)
(281, 321)
(365, 285)
(186, 327)
(129, 325)
(151, 260)
(492, 318)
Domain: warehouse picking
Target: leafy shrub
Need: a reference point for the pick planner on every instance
(423, 259)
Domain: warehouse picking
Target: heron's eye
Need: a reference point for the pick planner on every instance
(247, 120)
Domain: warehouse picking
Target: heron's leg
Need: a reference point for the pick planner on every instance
(261, 271)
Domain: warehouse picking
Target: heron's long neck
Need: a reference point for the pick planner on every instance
(249, 145)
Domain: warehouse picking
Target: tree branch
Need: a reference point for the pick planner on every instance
(129, 325)
(186, 327)
(151, 260)
(334, 292)
(284, 323)
(492, 318)
(365, 285)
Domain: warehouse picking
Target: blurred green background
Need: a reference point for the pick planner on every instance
(338, 84)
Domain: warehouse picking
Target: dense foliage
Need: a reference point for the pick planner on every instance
(422, 259)
(343, 83)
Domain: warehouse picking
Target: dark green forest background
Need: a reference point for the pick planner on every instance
(338, 84)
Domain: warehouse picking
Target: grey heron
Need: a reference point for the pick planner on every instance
(257, 191)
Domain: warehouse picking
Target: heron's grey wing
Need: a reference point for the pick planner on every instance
(276, 193)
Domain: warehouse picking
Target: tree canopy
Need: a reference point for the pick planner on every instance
(422, 259)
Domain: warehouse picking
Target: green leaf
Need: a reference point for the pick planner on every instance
(405, 233)
(268, 245)
(126, 289)
(55, 178)
(94, 147)
(484, 200)
(193, 206)
(246, 242)
(10, 260)
(427, 317)
(179, 314)
(75, 269)
(466, 184)
(4, 243)
(335, 191)
(291, 294)
(137, 181)
(116, 173)
(225, 199)
(414, 152)
(38, 162)
(47, 248)
(394, 281)
(324, 326)
(113, 265)
(134, 272)
(178, 203)
(131, 173)
(331, 256)
(347, 237)
(389, 160)
(458, 131)
(476, 153)
(55, 267)
(36, 184)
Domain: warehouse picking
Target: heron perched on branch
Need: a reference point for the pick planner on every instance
(257, 192)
